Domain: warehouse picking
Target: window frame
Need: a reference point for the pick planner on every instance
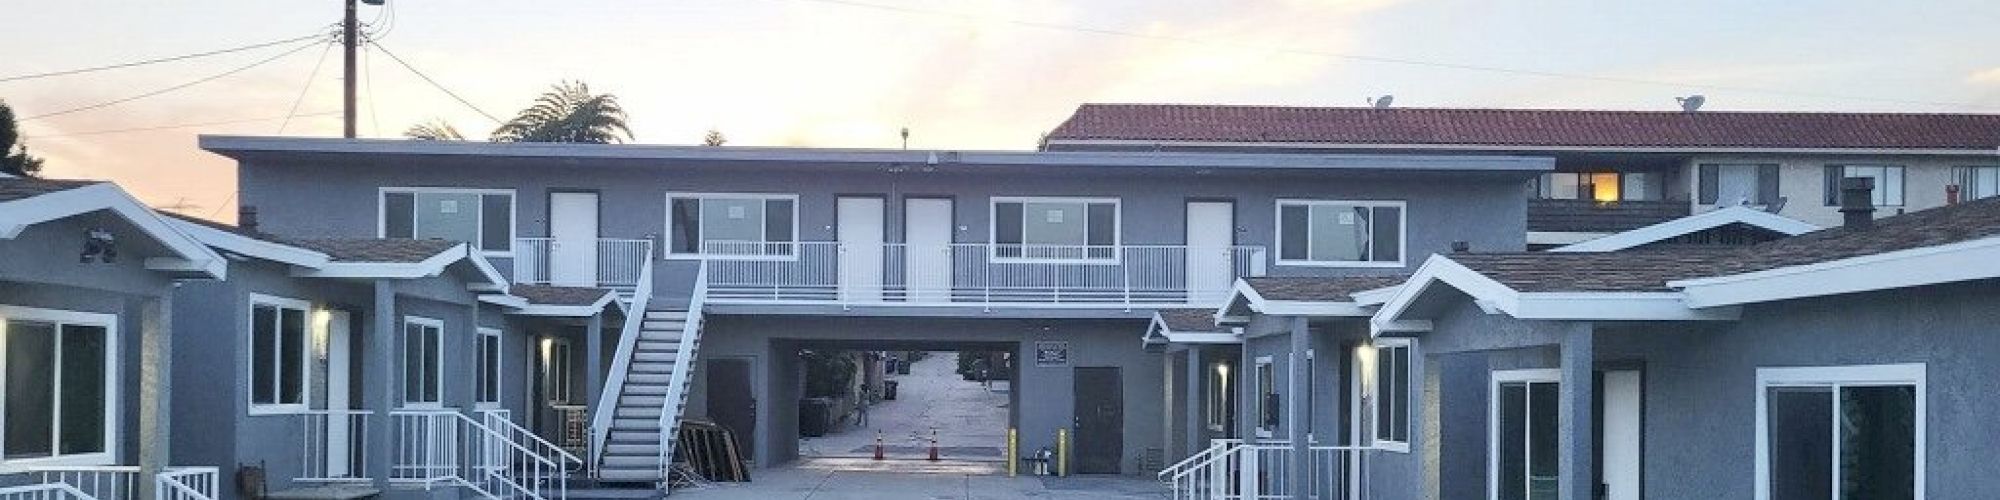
(1959, 174)
(1220, 375)
(1902, 193)
(558, 379)
(1263, 395)
(993, 229)
(437, 361)
(1757, 188)
(1402, 232)
(1529, 376)
(112, 395)
(312, 333)
(1377, 393)
(513, 214)
(1837, 378)
(701, 230)
(497, 385)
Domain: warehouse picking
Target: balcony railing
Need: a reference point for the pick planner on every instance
(609, 263)
(117, 482)
(1233, 470)
(976, 274)
(335, 445)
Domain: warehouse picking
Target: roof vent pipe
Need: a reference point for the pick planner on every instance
(246, 218)
(1857, 205)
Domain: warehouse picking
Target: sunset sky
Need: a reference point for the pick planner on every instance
(959, 73)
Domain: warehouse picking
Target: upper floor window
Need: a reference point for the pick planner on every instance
(278, 354)
(1055, 228)
(1888, 183)
(1600, 186)
(732, 224)
(61, 386)
(483, 218)
(1738, 184)
(1340, 233)
(1975, 182)
(1392, 393)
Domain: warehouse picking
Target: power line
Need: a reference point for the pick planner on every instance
(307, 88)
(434, 83)
(172, 88)
(368, 86)
(1397, 60)
(182, 57)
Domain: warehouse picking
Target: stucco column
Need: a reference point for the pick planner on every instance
(593, 358)
(1197, 400)
(378, 387)
(469, 390)
(155, 388)
(1578, 478)
(1297, 416)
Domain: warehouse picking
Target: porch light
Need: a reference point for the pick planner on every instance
(322, 322)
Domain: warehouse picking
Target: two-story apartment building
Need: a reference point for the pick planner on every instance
(1059, 257)
(1615, 170)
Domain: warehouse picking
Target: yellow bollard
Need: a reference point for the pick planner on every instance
(1062, 452)
(1013, 452)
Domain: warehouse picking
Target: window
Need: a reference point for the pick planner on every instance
(743, 225)
(1840, 433)
(1219, 399)
(556, 375)
(1268, 407)
(59, 373)
(1522, 450)
(489, 367)
(423, 360)
(1055, 228)
(279, 353)
(1600, 186)
(1888, 183)
(1392, 394)
(1340, 233)
(1738, 184)
(483, 218)
(1976, 182)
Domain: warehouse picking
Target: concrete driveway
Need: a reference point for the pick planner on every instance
(808, 481)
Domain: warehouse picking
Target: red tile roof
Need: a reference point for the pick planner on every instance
(1529, 127)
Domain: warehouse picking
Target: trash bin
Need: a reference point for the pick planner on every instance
(902, 367)
(889, 390)
(815, 416)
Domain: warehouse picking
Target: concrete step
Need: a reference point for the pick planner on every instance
(659, 315)
(633, 474)
(635, 424)
(652, 412)
(631, 461)
(645, 390)
(653, 367)
(637, 400)
(647, 379)
(663, 326)
(648, 438)
(632, 449)
(654, 357)
(657, 345)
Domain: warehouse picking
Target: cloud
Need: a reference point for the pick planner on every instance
(1990, 76)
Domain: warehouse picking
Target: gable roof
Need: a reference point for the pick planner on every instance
(1476, 128)
(1334, 296)
(1692, 224)
(15, 188)
(26, 202)
(1187, 326)
(393, 258)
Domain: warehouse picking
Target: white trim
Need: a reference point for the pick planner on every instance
(1529, 376)
(1949, 263)
(403, 368)
(1692, 224)
(499, 360)
(112, 382)
(250, 247)
(1158, 332)
(1562, 237)
(1376, 393)
(1256, 374)
(1245, 295)
(1154, 144)
(1402, 231)
(993, 229)
(1837, 377)
(521, 307)
(191, 255)
(1376, 296)
(701, 233)
(1498, 298)
(513, 213)
(279, 304)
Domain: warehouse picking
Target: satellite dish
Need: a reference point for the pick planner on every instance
(1381, 102)
(1691, 103)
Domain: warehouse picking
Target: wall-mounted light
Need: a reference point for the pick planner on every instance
(99, 245)
(322, 321)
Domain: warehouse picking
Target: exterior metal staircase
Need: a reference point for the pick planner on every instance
(638, 415)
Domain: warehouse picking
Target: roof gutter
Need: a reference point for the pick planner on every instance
(1878, 151)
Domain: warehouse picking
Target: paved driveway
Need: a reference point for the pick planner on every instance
(810, 480)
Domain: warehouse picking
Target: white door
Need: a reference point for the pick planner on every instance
(1211, 230)
(573, 239)
(1622, 390)
(927, 228)
(860, 235)
(338, 362)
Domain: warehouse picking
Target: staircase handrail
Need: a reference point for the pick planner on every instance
(628, 339)
(1215, 446)
(509, 428)
(676, 391)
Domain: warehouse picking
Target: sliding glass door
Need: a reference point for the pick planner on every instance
(1522, 446)
(1841, 433)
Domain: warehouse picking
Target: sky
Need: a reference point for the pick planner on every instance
(960, 74)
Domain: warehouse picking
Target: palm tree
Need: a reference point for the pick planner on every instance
(435, 130)
(568, 113)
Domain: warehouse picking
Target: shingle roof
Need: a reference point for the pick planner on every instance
(1529, 127)
(1330, 289)
(1650, 270)
(16, 188)
(1190, 320)
(388, 250)
(558, 295)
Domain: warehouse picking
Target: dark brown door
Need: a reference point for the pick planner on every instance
(730, 401)
(1100, 420)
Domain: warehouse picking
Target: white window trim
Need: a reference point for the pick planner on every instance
(499, 377)
(1258, 396)
(1537, 375)
(1402, 232)
(111, 380)
(993, 228)
(701, 236)
(250, 344)
(1911, 374)
(1902, 182)
(1964, 192)
(1218, 406)
(553, 377)
(439, 355)
(513, 214)
(1376, 392)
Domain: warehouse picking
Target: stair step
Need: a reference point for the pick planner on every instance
(654, 357)
(657, 346)
(666, 315)
(637, 400)
(653, 367)
(645, 389)
(662, 326)
(634, 474)
(634, 450)
(647, 378)
(647, 438)
(631, 461)
(638, 412)
(635, 424)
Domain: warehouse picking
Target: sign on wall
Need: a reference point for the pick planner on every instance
(1051, 353)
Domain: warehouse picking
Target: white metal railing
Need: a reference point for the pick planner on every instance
(44, 491)
(336, 444)
(500, 421)
(121, 482)
(186, 483)
(976, 273)
(621, 362)
(1233, 470)
(611, 263)
(677, 384)
(445, 447)
(104, 482)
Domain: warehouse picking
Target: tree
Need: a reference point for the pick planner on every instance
(714, 138)
(14, 157)
(434, 130)
(568, 113)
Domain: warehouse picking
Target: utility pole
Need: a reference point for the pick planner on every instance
(350, 34)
